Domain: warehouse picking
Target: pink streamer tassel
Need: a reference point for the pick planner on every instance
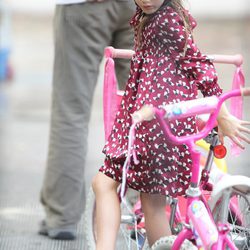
(109, 96)
(236, 107)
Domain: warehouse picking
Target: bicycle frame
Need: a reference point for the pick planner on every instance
(198, 212)
(176, 207)
(175, 212)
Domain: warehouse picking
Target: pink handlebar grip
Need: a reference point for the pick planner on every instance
(118, 53)
(245, 91)
(237, 59)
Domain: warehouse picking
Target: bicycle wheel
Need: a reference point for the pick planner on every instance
(235, 210)
(126, 239)
(166, 243)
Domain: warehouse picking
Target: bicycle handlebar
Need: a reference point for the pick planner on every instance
(118, 53)
(189, 108)
(237, 59)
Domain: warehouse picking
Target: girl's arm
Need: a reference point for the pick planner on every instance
(232, 127)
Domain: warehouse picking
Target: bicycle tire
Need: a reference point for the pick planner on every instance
(125, 239)
(238, 219)
(166, 243)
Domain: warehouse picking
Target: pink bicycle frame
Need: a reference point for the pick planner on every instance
(199, 215)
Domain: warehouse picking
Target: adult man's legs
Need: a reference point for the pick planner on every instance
(76, 68)
(81, 33)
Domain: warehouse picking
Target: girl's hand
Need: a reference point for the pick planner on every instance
(235, 129)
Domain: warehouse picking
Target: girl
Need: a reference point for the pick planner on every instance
(167, 67)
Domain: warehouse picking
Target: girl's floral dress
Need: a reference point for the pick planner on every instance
(159, 75)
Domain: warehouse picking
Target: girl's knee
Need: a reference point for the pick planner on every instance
(152, 201)
(96, 182)
(102, 183)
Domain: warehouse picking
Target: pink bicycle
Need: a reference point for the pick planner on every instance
(231, 212)
(200, 227)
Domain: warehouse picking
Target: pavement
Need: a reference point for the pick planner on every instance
(24, 123)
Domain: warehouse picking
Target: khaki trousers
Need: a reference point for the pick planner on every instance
(81, 31)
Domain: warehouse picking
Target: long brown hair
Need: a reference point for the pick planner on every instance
(177, 5)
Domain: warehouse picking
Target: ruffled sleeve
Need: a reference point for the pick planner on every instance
(201, 70)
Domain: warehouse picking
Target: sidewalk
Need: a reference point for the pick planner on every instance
(24, 125)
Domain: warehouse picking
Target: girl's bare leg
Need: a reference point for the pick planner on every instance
(108, 212)
(156, 223)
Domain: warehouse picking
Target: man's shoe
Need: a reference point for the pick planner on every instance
(60, 233)
(43, 229)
